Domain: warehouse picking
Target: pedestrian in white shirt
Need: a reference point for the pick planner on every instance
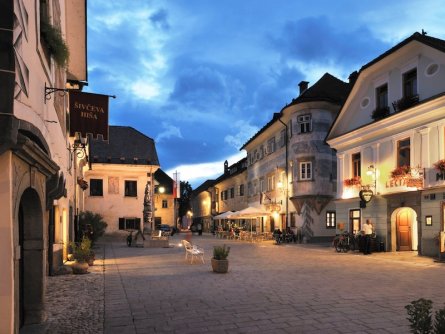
(367, 231)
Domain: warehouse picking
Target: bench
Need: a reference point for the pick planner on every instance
(193, 251)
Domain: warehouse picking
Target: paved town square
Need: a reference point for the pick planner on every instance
(289, 288)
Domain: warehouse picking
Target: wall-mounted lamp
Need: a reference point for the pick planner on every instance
(79, 148)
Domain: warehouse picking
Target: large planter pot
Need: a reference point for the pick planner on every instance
(80, 267)
(220, 266)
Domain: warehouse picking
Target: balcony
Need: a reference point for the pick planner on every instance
(380, 113)
(405, 103)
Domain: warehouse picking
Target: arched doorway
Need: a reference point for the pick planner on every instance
(404, 234)
(31, 262)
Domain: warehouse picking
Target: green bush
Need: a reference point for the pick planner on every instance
(82, 251)
(420, 317)
(54, 42)
(221, 253)
(95, 220)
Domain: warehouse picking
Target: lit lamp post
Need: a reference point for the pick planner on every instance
(189, 216)
(372, 171)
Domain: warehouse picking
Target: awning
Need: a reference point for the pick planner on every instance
(249, 212)
(223, 215)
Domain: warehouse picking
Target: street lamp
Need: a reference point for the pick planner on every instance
(372, 171)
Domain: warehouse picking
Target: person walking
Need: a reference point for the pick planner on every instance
(367, 231)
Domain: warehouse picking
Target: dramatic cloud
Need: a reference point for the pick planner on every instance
(203, 76)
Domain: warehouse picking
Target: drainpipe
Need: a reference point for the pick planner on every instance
(287, 171)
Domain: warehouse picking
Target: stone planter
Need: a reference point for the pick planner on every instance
(220, 266)
(80, 267)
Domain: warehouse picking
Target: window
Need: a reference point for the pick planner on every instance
(271, 183)
(241, 190)
(305, 170)
(354, 220)
(131, 189)
(96, 187)
(382, 96)
(403, 153)
(410, 83)
(289, 128)
(271, 145)
(304, 123)
(262, 189)
(164, 204)
(356, 165)
(129, 223)
(249, 189)
(283, 137)
(232, 192)
(330, 219)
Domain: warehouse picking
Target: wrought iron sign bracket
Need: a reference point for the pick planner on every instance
(51, 90)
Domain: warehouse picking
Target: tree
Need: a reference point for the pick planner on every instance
(184, 199)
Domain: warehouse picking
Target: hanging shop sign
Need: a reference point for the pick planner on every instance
(366, 195)
(88, 114)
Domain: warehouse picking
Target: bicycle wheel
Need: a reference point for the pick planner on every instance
(339, 246)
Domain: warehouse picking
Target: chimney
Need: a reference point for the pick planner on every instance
(303, 86)
(353, 77)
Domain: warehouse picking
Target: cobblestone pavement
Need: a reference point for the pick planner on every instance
(269, 289)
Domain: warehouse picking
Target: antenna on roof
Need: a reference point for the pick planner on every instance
(424, 32)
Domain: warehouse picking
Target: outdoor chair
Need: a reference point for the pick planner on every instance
(193, 251)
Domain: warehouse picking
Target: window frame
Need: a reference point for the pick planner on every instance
(409, 82)
(300, 171)
(331, 219)
(407, 148)
(93, 187)
(131, 191)
(356, 161)
(353, 219)
(304, 123)
(379, 92)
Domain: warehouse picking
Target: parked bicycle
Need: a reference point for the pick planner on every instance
(345, 242)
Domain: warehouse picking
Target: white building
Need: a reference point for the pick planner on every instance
(291, 170)
(388, 135)
(121, 177)
(37, 169)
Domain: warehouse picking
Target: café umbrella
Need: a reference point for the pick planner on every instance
(249, 213)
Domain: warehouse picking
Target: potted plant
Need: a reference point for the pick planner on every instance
(82, 254)
(54, 42)
(353, 181)
(400, 172)
(440, 167)
(220, 264)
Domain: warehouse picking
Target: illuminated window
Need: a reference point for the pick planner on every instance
(356, 165)
(330, 219)
(404, 152)
(354, 220)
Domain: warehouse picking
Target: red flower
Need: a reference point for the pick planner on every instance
(440, 165)
(401, 171)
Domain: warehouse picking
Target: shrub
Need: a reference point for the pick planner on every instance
(221, 253)
(420, 317)
(82, 251)
(94, 220)
(54, 42)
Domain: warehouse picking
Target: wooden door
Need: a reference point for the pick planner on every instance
(404, 230)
